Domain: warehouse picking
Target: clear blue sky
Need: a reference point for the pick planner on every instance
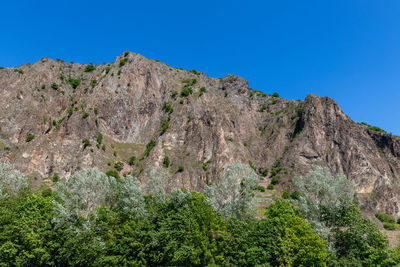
(348, 50)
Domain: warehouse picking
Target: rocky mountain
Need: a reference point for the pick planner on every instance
(58, 117)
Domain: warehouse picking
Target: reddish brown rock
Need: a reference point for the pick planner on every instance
(229, 122)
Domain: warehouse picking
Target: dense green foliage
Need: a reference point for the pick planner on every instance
(149, 147)
(388, 221)
(19, 71)
(74, 82)
(165, 125)
(166, 162)
(122, 62)
(326, 201)
(86, 143)
(373, 128)
(186, 91)
(94, 219)
(29, 137)
(168, 107)
(383, 217)
(90, 68)
(181, 230)
(54, 86)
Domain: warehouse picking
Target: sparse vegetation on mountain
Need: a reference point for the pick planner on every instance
(54, 86)
(225, 126)
(118, 166)
(373, 128)
(86, 143)
(74, 82)
(166, 162)
(29, 137)
(122, 62)
(90, 68)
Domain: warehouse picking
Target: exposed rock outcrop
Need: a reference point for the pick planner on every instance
(134, 101)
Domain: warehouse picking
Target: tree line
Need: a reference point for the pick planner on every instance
(97, 220)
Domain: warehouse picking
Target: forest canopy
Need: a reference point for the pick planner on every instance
(95, 219)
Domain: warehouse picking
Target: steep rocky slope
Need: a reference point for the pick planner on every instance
(52, 113)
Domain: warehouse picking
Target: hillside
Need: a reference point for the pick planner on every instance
(58, 118)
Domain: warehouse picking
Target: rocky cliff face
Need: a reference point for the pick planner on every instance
(52, 113)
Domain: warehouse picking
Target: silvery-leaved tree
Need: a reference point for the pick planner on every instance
(322, 197)
(129, 197)
(11, 180)
(158, 180)
(233, 195)
(81, 194)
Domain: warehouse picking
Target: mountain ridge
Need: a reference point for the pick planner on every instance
(149, 110)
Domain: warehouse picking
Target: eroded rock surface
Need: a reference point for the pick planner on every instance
(205, 129)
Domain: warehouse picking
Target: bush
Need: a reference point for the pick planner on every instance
(93, 83)
(295, 195)
(54, 86)
(389, 226)
(275, 180)
(383, 217)
(19, 71)
(90, 68)
(251, 165)
(166, 162)
(275, 94)
(265, 172)
(205, 166)
(118, 166)
(164, 125)
(108, 70)
(131, 160)
(85, 115)
(112, 173)
(261, 188)
(99, 138)
(168, 107)
(262, 108)
(373, 128)
(202, 91)
(30, 137)
(86, 143)
(186, 92)
(286, 194)
(149, 147)
(74, 82)
(56, 178)
(122, 62)
(181, 168)
(270, 187)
